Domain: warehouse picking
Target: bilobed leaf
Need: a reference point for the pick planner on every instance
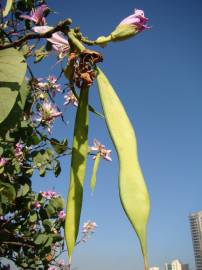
(133, 192)
(94, 173)
(12, 73)
(77, 172)
(7, 7)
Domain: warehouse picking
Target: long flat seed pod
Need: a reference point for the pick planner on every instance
(132, 189)
(77, 172)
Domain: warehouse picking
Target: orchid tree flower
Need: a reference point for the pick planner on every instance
(50, 85)
(47, 114)
(138, 20)
(37, 15)
(3, 162)
(127, 28)
(70, 99)
(100, 148)
(49, 194)
(57, 40)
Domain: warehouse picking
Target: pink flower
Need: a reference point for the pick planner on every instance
(18, 152)
(52, 268)
(37, 205)
(61, 214)
(89, 227)
(61, 262)
(100, 148)
(49, 194)
(137, 19)
(3, 162)
(59, 43)
(70, 99)
(50, 85)
(37, 15)
(47, 114)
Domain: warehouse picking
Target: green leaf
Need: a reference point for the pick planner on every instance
(49, 241)
(132, 189)
(95, 168)
(47, 225)
(33, 217)
(25, 189)
(77, 172)
(7, 7)
(12, 73)
(57, 168)
(41, 239)
(58, 203)
(40, 54)
(59, 147)
(8, 190)
(50, 210)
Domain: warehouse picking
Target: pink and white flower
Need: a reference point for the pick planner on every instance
(57, 40)
(37, 15)
(137, 19)
(100, 148)
(18, 152)
(62, 215)
(89, 227)
(3, 162)
(37, 205)
(47, 114)
(49, 194)
(70, 99)
(50, 85)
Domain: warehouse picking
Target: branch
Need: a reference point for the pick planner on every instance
(18, 244)
(29, 36)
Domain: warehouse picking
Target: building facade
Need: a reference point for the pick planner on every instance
(176, 265)
(196, 232)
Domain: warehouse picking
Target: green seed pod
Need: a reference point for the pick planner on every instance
(94, 173)
(77, 172)
(132, 189)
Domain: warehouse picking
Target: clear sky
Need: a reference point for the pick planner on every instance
(157, 75)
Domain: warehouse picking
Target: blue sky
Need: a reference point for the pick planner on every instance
(157, 75)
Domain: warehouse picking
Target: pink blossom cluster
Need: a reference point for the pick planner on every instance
(49, 194)
(50, 85)
(100, 148)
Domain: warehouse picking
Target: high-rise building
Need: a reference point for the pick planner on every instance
(176, 265)
(196, 232)
(168, 266)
